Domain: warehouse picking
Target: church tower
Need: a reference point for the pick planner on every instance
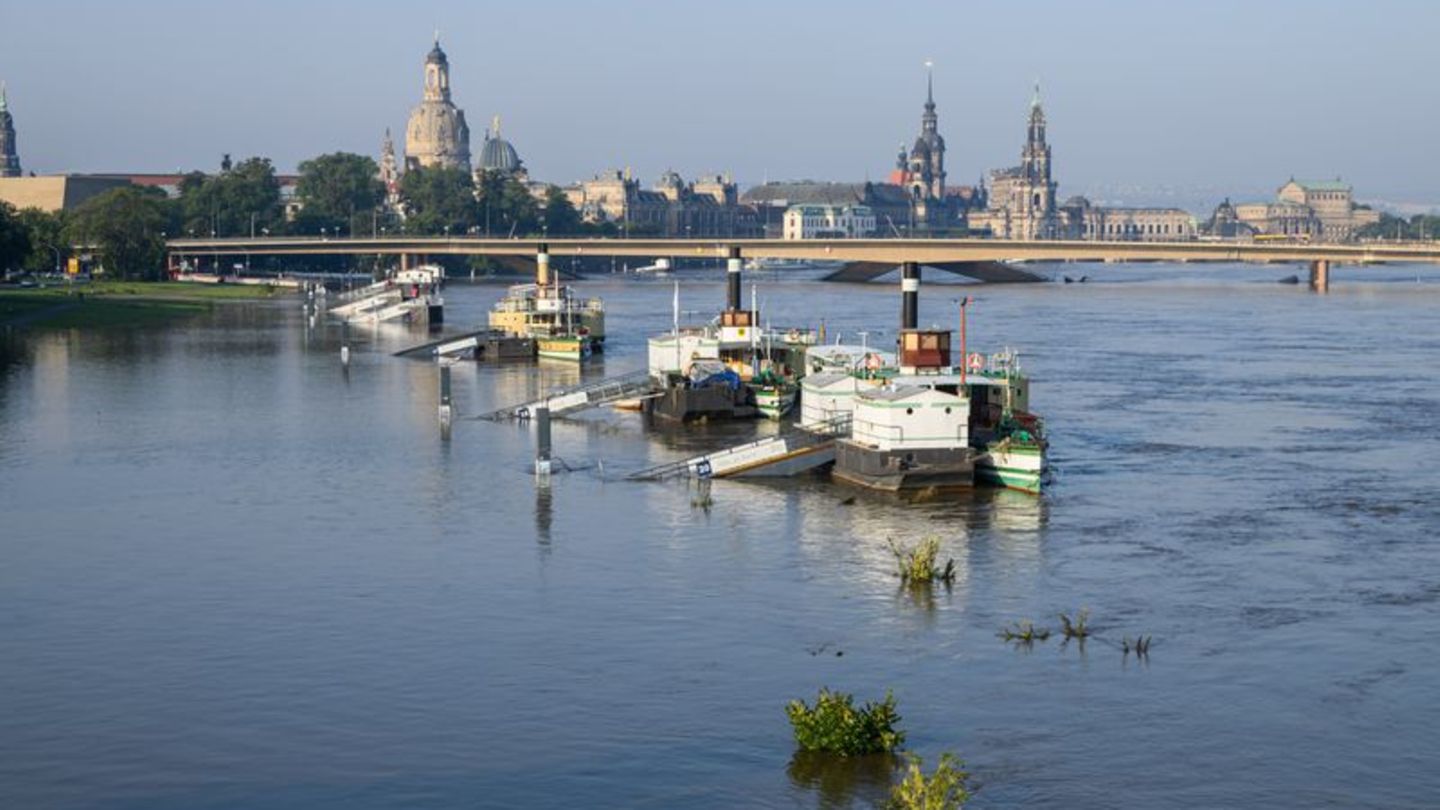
(927, 157)
(437, 134)
(9, 160)
(389, 172)
(1035, 168)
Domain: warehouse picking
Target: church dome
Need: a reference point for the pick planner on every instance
(499, 156)
(438, 135)
(436, 55)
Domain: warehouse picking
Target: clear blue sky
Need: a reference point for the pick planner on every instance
(1207, 97)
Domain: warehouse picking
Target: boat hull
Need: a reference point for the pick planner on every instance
(1012, 466)
(684, 404)
(568, 347)
(905, 469)
(774, 403)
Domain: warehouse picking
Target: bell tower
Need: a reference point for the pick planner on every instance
(437, 73)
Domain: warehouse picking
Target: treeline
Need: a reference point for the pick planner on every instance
(1420, 226)
(339, 195)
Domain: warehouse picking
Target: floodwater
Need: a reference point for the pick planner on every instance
(235, 575)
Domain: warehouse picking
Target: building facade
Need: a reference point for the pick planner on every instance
(437, 134)
(1081, 220)
(1323, 210)
(828, 222)
(671, 207)
(9, 157)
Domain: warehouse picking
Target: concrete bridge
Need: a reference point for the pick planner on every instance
(985, 259)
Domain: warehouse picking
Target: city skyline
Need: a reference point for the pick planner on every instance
(1137, 103)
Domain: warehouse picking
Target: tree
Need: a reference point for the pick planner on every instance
(14, 238)
(47, 239)
(439, 200)
(233, 202)
(506, 206)
(339, 189)
(127, 226)
(560, 217)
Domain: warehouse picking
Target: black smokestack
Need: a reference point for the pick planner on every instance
(909, 295)
(732, 278)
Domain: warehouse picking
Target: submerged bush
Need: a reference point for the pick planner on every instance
(1079, 628)
(916, 565)
(1025, 632)
(836, 726)
(942, 790)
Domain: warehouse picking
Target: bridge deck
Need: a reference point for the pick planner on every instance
(889, 251)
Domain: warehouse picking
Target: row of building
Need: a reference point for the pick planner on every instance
(1019, 202)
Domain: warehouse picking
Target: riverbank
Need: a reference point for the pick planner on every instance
(117, 303)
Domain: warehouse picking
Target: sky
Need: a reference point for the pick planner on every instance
(1147, 101)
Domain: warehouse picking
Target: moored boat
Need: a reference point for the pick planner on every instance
(564, 325)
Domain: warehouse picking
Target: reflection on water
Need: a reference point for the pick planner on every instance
(843, 782)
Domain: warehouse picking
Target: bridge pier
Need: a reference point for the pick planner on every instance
(909, 295)
(1320, 275)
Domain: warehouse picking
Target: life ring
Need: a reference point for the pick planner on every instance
(975, 361)
(793, 336)
(872, 361)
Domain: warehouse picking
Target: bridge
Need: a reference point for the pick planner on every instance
(987, 259)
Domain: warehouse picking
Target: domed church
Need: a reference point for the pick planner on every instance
(437, 134)
(497, 155)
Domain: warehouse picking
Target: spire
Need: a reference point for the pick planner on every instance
(495, 127)
(3, 105)
(1035, 99)
(929, 85)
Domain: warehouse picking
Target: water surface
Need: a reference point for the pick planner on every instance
(233, 574)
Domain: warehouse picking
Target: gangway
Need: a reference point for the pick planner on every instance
(364, 292)
(612, 389)
(481, 344)
(365, 305)
(791, 453)
(397, 310)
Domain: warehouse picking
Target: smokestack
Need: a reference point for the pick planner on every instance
(909, 295)
(542, 265)
(732, 276)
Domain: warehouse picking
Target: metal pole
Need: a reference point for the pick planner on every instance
(446, 413)
(964, 353)
(542, 441)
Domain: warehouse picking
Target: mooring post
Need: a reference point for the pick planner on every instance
(1320, 275)
(542, 440)
(446, 413)
(909, 295)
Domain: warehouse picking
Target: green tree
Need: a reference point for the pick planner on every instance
(559, 217)
(14, 239)
(48, 245)
(338, 190)
(505, 205)
(127, 226)
(439, 200)
(233, 202)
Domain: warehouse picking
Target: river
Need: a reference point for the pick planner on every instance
(234, 574)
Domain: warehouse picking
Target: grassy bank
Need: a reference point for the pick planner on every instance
(117, 303)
